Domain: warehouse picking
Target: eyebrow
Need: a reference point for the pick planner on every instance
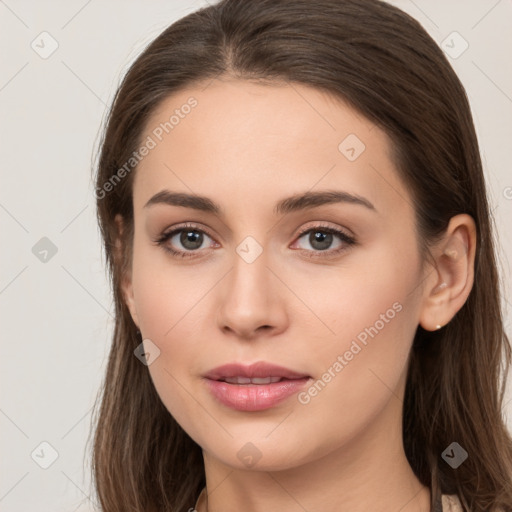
(290, 204)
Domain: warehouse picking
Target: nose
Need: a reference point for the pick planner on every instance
(252, 300)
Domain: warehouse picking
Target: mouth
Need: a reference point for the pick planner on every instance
(243, 381)
(257, 373)
(253, 387)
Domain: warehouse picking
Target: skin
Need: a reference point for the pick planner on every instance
(247, 146)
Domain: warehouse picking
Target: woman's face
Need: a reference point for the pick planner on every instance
(327, 287)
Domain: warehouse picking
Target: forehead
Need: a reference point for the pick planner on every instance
(247, 143)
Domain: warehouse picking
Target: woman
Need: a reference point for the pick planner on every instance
(296, 225)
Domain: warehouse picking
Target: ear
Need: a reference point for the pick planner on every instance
(125, 269)
(449, 284)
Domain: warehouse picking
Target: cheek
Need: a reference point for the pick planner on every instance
(169, 302)
(166, 294)
(371, 330)
(367, 297)
(361, 365)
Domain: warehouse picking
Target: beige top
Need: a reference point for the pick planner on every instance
(450, 503)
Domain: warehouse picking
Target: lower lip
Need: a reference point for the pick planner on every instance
(254, 397)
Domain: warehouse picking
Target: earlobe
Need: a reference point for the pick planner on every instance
(452, 279)
(128, 295)
(126, 277)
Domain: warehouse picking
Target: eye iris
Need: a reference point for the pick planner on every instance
(193, 237)
(321, 237)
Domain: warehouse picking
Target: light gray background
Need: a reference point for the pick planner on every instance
(57, 315)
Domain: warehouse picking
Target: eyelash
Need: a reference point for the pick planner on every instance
(346, 239)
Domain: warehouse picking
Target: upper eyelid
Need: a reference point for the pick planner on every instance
(302, 230)
(324, 225)
(193, 227)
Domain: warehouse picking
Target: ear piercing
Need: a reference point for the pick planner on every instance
(438, 326)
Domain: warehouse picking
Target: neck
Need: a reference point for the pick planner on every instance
(368, 472)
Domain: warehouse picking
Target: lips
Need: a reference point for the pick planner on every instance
(254, 380)
(253, 387)
(259, 370)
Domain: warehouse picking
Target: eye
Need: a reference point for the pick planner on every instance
(188, 240)
(321, 238)
(184, 241)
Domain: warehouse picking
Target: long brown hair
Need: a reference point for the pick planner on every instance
(384, 64)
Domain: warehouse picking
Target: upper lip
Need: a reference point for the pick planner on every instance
(259, 369)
